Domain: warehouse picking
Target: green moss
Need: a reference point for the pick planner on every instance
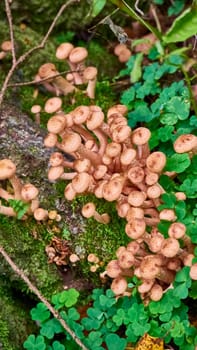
(28, 253)
(15, 321)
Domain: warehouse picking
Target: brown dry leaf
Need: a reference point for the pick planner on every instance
(149, 343)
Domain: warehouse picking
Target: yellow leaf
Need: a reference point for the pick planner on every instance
(149, 343)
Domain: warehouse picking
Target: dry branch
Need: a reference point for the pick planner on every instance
(54, 312)
(22, 58)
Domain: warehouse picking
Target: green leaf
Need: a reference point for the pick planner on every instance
(181, 291)
(189, 186)
(114, 342)
(176, 7)
(50, 328)
(136, 72)
(35, 343)
(97, 6)
(58, 346)
(178, 163)
(40, 313)
(193, 290)
(183, 275)
(69, 297)
(183, 27)
(19, 207)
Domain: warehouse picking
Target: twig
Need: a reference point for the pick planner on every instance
(37, 82)
(54, 312)
(9, 17)
(28, 53)
(154, 13)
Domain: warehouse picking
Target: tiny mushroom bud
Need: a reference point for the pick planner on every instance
(36, 109)
(89, 210)
(40, 214)
(73, 258)
(92, 258)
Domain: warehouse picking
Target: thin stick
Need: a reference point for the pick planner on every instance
(9, 17)
(38, 82)
(54, 312)
(28, 53)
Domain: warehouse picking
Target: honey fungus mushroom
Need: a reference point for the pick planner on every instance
(89, 210)
(8, 172)
(185, 143)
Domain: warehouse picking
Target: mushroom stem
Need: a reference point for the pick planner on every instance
(17, 186)
(8, 211)
(5, 195)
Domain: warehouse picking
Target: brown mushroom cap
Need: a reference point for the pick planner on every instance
(53, 105)
(71, 142)
(78, 54)
(80, 114)
(64, 50)
(29, 192)
(40, 214)
(80, 182)
(47, 70)
(55, 172)
(119, 285)
(56, 124)
(170, 247)
(90, 73)
(124, 55)
(193, 272)
(6, 46)
(156, 161)
(140, 136)
(7, 169)
(185, 143)
(36, 109)
(88, 210)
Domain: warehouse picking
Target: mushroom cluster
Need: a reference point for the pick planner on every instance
(79, 74)
(27, 193)
(58, 251)
(115, 163)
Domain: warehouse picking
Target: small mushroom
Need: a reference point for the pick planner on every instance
(89, 210)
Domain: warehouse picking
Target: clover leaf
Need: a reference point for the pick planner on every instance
(40, 313)
(178, 163)
(50, 328)
(114, 342)
(56, 345)
(94, 340)
(35, 343)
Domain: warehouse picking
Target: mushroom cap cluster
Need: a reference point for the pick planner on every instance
(79, 74)
(114, 162)
(27, 193)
